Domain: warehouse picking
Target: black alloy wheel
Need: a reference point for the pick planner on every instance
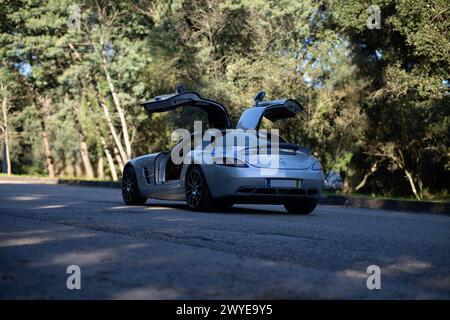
(130, 189)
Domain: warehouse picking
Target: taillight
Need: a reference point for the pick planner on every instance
(316, 166)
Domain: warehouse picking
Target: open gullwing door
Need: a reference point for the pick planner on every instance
(272, 110)
(217, 114)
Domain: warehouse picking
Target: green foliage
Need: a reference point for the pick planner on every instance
(407, 98)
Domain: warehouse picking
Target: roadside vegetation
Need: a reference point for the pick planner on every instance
(377, 102)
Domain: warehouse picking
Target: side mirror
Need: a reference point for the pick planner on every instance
(259, 97)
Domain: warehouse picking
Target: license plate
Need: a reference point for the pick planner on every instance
(283, 183)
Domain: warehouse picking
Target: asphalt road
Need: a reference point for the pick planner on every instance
(163, 251)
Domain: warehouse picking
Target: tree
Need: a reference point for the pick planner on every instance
(7, 91)
(406, 65)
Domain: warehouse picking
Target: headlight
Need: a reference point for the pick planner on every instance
(316, 166)
(230, 162)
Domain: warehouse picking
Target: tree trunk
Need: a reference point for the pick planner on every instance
(100, 101)
(100, 169)
(78, 169)
(396, 155)
(7, 155)
(105, 147)
(48, 152)
(113, 131)
(363, 182)
(110, 160)
(402, 164)
(118, 159)
(410, 178)
(109, 121)
(85, 157)
(117, 103)
(46, 103)
(84, 149)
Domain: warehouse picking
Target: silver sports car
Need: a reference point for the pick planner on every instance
(215, 168)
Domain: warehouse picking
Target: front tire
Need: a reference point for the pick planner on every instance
(130, 189)
(198, 197)
(302, 206)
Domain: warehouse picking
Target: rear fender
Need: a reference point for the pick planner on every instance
(144, 167)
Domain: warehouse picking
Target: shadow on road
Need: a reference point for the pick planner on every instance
(236, 209)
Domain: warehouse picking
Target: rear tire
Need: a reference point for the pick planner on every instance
(302, 206)
(130, 189)
(198, 197)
